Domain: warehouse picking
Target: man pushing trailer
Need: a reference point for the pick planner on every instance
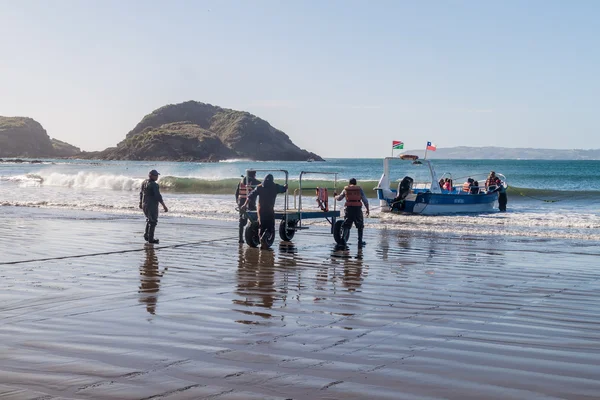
(267, 193)
(355, 198)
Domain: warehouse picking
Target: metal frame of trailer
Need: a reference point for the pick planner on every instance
(291, 218)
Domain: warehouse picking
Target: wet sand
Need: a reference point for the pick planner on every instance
(411, 316)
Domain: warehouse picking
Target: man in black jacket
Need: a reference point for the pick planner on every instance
(267, 193)
(150, 197)
(246, 185)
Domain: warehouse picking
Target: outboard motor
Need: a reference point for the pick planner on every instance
(404, 189)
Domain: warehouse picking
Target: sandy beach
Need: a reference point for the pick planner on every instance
(90, 312)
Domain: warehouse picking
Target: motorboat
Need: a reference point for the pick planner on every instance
(427, 195)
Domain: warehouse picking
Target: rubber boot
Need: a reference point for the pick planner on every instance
(147, 231)
(151, 238)
(360, 238)
(264, 240)
(241, 234)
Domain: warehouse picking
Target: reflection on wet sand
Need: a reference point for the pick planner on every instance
(456, 317)
(353, 266)
(150, 279)
(255, 281)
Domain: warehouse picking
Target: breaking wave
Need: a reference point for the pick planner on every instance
(219, 185)
(87, 180)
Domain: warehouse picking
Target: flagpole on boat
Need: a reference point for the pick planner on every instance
(425, 158)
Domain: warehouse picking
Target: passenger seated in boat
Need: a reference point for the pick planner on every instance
(475, 187)
(404, 189)
(491, 182)
(467, 185)
(441, 183)
(447, 185)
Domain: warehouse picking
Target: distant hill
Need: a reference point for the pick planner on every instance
(194, 131)
(25, 137)
(466, 153)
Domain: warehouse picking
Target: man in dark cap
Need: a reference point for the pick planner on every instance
(266, 193)
(246, 185)
(150, 197)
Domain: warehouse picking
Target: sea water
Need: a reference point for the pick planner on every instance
(554, 199)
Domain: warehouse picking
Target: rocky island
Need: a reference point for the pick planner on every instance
(25, 137)
(194, 131)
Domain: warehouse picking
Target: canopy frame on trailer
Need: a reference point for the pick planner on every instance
(291, 219)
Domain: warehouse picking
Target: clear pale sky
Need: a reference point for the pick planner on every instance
(341, 78)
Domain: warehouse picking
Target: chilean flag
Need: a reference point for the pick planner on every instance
(431, 146)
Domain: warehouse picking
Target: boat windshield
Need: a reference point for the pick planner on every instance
(417, 170)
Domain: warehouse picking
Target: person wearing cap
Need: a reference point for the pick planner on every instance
(267, 193)
(355, 198)
(150, 198)
(241, 194)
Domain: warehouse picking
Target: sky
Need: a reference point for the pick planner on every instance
(342, 78)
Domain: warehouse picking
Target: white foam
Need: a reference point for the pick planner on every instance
(234, 160)
(91, 180)
(23, 180)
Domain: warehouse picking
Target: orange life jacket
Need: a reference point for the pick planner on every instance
(353, 196)
(492, 181)
(466, 187)
(323, 199)
(244, 191)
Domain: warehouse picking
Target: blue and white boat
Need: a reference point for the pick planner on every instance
(418, 191)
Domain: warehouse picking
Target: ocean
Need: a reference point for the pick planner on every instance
(546, 199)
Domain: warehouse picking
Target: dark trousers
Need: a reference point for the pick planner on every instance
(243, 216)
(266, 220)
(354, 214)
(151, 213)
(502, 200)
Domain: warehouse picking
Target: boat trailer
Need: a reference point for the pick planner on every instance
(291, 218)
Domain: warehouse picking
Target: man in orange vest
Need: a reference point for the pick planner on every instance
(246, 185)
(355, 198)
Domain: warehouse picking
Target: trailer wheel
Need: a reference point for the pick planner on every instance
(251, 234)
(287, 231)
(340, 234)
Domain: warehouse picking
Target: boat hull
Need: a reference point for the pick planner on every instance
(435, 204)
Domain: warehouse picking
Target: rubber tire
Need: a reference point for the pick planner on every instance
(251, 234)
(287, 233)
(340, 235)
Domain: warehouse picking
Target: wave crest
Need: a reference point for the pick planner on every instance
(202, 185)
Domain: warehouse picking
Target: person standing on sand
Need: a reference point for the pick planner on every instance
(246, 185)
(267, 193)
(150, 197)
(355, 198)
